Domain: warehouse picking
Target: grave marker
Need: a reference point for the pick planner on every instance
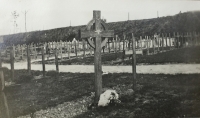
(97, 34)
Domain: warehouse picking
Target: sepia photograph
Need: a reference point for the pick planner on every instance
(99, 59)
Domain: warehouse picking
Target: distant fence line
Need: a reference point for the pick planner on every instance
(157, 42)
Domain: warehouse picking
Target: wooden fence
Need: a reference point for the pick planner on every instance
(145, 45)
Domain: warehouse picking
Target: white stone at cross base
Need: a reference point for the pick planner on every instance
(107, 96)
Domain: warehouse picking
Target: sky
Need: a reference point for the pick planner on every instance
(50, 14)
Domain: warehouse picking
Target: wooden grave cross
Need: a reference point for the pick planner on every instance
(97, 29)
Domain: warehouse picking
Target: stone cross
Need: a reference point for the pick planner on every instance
(97, 29)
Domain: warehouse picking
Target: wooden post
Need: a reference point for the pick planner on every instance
(195, 36)
(166, 45)
(191, 39)
(2, 81)
(153, 41)
(109, 45)
(162, 42)
(65, 47)
(198, 38)
(4, 109)
(28, 60)
(75, 48)
(61, 49)
(0, 59)
(35, 51)
(115, 42)
(124, 42)
(147, 45)
(98, 34)
(43, 60)
(83, 47)
(119, 45)
(134, 62)
(140, 41)
(22, 54)
(12, 62)
(177, 40)
(14, 51)
(69, 49)
(158, 43)
(175, 44)
(56, 58)
(123, 55)
(170, 42)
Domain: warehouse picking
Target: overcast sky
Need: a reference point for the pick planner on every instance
(49, 14)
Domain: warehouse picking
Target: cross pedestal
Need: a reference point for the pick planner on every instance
(97, 29)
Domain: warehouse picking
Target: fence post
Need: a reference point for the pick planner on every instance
(187, 39)
(123, 55)
(134, 62)
(43, 59)
(195, 35)
(158, 42)
(83, 44)
(175, 40)
(147, 44)
(119, 44)
(162, 42)
(69, 49)
(109, 45)
(178, 39)
(56, 57)
(22, 54)
(64, 47)
(75, 48)
(0, 59)
(115, 42)
(12, 62)
(170, 42)
(28, 59)
(198, 38)
(153, 41)
(166, 45)
(14, 51)
(35, 51)
(2, 81)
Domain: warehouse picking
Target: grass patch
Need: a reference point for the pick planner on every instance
(67, 95)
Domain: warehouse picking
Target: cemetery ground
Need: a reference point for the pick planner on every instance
(182, 55)
(69, 94)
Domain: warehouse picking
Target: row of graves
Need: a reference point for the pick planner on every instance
(156, 43)
(96, 40)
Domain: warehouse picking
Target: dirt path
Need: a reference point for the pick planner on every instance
(152, 69)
